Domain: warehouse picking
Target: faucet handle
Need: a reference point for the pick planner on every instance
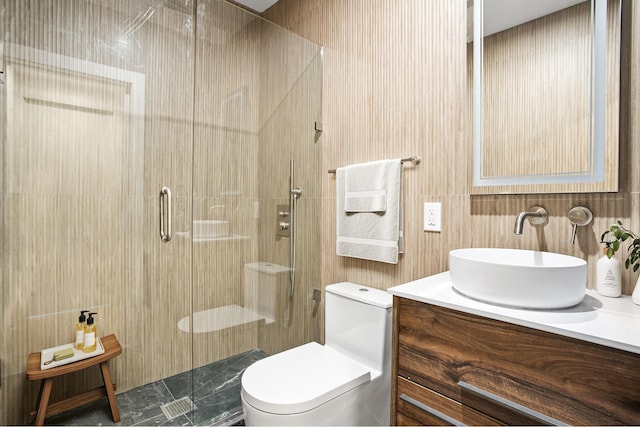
(579, 216)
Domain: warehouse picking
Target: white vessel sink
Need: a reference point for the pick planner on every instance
(518, 278)
(209, 228)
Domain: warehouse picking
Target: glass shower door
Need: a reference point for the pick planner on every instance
(97, 118)
(106, 102)
(257, 102)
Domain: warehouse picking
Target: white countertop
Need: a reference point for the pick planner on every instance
(614, 322)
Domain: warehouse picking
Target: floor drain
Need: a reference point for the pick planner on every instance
(177, 407)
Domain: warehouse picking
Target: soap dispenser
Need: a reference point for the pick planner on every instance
(608, 275)
(79, 344)
(90, 331)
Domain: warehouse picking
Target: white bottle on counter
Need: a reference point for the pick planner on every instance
(608, 276)
(635, 296)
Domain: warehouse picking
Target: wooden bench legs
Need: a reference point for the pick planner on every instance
(44, 410)
(43, 400)
(111, 392)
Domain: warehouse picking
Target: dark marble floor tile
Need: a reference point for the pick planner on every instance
(217, 385)
(161, 420)
(213, 377)
(216, 394)
(91, 414)
(143, 403)
(180, 385)
(214, 408)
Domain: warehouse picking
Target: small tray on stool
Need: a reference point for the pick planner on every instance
(47, 355)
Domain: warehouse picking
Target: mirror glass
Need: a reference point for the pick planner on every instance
(545, 83)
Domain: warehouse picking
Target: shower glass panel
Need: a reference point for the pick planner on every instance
(97, 116)
(258, 95)
(104, 103)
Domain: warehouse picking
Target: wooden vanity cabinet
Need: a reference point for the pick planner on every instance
(453, 367)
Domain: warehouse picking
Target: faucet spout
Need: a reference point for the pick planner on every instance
(517, 229)
(536, 214)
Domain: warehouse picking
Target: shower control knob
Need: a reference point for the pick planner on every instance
(283, 225)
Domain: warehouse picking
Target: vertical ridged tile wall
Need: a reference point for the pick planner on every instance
(258, 94)
(226, 113)
(395, 86)
(80, 195)
(81, 227)
(290, 104)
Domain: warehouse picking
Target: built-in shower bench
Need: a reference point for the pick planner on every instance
(43, 409)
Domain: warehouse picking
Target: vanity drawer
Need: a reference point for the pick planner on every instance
(484, 363)
(417, 405)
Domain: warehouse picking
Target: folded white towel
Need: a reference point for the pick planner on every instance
(373, 235)
(365, 187)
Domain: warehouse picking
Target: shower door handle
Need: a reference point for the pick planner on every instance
(165, 214)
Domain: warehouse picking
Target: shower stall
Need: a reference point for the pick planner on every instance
(104, 104)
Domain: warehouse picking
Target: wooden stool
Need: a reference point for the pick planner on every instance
(43, 409)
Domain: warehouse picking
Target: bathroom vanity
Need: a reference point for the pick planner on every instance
(461, 361)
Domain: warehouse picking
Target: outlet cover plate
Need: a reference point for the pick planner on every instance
(433, 216)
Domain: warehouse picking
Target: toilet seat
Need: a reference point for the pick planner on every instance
(305, 377)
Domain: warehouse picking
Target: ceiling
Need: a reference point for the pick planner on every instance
(500, 15)
(258, 6)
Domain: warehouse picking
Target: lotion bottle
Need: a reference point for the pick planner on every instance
(79, 344)
(90, 331)
(608, 276)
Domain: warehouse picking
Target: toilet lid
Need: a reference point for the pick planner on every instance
(300, 379)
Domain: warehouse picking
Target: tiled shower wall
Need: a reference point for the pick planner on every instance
(395, 86)
(71, 242)
(255, 83)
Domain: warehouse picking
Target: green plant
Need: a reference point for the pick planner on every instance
(615, 236)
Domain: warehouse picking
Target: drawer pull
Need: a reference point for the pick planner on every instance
(430, 410)
(537, 416)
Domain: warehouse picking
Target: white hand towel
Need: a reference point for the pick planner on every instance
(365, 187)
(371, 235)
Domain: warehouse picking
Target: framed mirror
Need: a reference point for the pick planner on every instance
(545, 78)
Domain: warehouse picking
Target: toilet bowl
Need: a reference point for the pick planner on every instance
(344, 382)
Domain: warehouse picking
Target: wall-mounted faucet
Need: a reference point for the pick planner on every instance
(537, 215)
(579, 216)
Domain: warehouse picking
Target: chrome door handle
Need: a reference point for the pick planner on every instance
(165, 215)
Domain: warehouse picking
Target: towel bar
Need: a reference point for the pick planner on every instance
(415, 160)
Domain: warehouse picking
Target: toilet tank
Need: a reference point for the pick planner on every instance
(358, 323)
(264, 284)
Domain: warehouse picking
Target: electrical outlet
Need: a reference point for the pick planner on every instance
(433, 216)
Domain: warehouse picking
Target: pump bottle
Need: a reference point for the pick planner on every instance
(90, 331)
(79, 344)
(608, 276)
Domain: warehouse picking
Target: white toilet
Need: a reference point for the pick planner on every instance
(347, 381)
